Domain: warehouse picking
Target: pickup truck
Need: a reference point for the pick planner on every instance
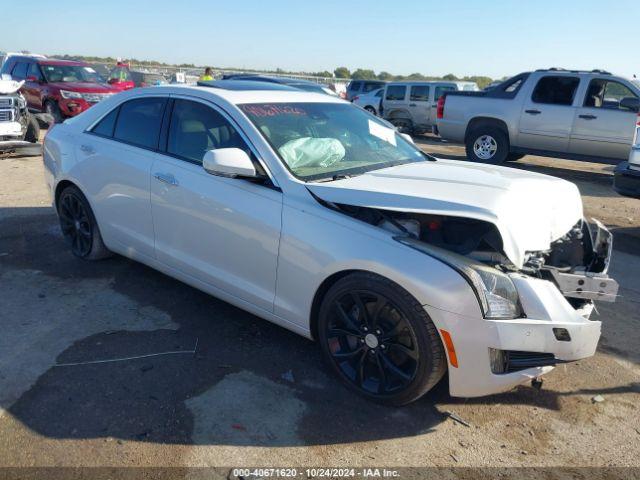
(558, 113)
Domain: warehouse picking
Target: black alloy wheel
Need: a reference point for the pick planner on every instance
(76, 224)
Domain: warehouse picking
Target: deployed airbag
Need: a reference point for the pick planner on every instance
(312, 152)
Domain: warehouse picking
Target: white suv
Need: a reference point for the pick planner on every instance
(315, 215)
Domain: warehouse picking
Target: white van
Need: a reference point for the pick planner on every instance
(411, 106)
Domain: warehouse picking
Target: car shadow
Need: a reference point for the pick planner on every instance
(216, 375)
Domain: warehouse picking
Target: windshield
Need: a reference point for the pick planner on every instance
(636, 83)
(70, 73)
(324, 141)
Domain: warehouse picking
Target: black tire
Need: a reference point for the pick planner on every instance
(489, 135)
(392, 354)
(370, 109)
(52, 108)
(33, 130)
(404, 125)
(79, 226)
(514, 157)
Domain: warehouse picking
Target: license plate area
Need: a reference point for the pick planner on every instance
(588, 286)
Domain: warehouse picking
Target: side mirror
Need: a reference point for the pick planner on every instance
(31, 78)
(229, 162)
(631, 103)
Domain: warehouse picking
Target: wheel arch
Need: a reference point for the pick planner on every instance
(398, 113)
(62, 184)
(479, 122)
(321, 291)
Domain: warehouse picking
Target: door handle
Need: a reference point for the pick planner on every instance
(166, 178)
(588, 117)
(533, 112)
(412, 105)
(88, 149)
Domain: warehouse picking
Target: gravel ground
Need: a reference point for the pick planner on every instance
(238, 391)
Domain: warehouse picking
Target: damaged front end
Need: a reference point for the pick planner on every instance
(18, 128)
(577, 263)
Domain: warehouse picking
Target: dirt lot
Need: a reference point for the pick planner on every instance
(238, 391)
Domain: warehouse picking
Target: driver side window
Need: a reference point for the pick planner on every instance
(196, 128)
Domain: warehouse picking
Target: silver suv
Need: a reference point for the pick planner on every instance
(553, 112)
(411, 106)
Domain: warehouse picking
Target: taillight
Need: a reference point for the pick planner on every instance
(638, 122)
(440, 111)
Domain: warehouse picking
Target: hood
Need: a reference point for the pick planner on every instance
(530, 210)
(10, 86)
(84, 87)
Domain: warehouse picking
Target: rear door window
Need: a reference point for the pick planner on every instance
(370, 86)
(34, 71)
(104, 127)
(355, 86)
(556, 90)
(396, 92)
(139, 122)
(419, 93)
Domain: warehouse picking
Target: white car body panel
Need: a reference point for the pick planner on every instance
(269, 250)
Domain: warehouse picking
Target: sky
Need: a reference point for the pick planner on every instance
(495, 38)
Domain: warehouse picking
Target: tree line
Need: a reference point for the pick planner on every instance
(340, 72)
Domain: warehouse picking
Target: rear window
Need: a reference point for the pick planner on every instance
(396, 92)
(139, 122)
(355, 86)
(558, 90)
(419, 93)
(370, 86)
(442, 89)
(105, 126)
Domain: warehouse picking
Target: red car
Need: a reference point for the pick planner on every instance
(61, 88)
(120, 77)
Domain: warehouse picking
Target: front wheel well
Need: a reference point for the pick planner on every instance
(320, 293)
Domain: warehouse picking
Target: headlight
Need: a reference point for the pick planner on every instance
(496, 292)
(68, 94)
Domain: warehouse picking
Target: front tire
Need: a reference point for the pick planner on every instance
(379, 340)
(53, 109)
(79, 226)
(33, 130)
(487, 145)
(371, 110)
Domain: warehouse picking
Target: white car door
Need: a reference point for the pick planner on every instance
(602, 126)
(120, 149)
(222, 231)
(547, 115)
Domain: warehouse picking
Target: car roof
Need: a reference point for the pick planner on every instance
(54, 61)
(268, 78)
(244, 91)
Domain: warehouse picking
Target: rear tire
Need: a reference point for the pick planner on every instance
(33, 130)
(53, 109)
(79, 225)
(487, 145)
(404, 125)
(379, 339)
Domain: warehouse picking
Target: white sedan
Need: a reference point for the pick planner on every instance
(370, 101)
(313, 214)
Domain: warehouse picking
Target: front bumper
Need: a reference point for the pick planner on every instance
(71, 107)
(626, 177)
(546, 309)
